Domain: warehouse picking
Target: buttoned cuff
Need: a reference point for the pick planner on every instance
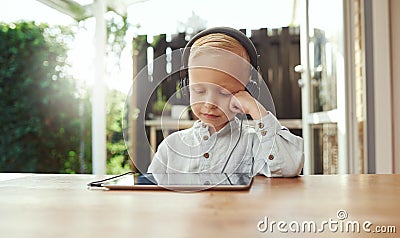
(267, 127)
(270, 166)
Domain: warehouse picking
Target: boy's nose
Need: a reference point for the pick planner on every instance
(211, 100)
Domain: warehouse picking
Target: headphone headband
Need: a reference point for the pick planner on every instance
(252, 87)
(238, 35)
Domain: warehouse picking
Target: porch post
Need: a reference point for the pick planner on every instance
(99, 92)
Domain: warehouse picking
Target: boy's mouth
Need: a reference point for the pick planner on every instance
(210, 116)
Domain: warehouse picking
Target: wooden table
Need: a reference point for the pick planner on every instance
(35, 205)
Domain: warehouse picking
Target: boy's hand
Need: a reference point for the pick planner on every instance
(243, 102)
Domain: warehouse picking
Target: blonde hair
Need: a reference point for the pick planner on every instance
(222, 41)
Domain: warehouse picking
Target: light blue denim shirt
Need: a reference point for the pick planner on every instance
(266, 148)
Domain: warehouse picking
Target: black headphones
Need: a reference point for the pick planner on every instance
(252, 86)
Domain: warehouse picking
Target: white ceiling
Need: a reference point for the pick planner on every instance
(161, 16)
(82, 9)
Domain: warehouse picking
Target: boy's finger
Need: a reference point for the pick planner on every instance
(235, 106)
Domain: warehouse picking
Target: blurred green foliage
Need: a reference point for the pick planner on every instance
(45, 126)
(39, 121)
(118, 159)
(117, 155)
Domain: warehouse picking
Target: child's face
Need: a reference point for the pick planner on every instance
(211, 92)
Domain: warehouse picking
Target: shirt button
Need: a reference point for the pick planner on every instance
(270, 157)
(260, 125)
(205, 137)
(206, 155)
(203, 125)
(263, 132)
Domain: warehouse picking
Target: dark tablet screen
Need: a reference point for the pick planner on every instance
(181, 181)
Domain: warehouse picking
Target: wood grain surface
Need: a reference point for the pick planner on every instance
(38, 205)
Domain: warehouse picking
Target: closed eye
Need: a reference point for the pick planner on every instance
(197, 90)
(225, 93)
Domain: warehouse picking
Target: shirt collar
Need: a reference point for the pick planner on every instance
(231, 125)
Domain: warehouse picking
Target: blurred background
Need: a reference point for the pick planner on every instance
(67, 67)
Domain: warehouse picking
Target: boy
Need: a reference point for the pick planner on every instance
(220, 63)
